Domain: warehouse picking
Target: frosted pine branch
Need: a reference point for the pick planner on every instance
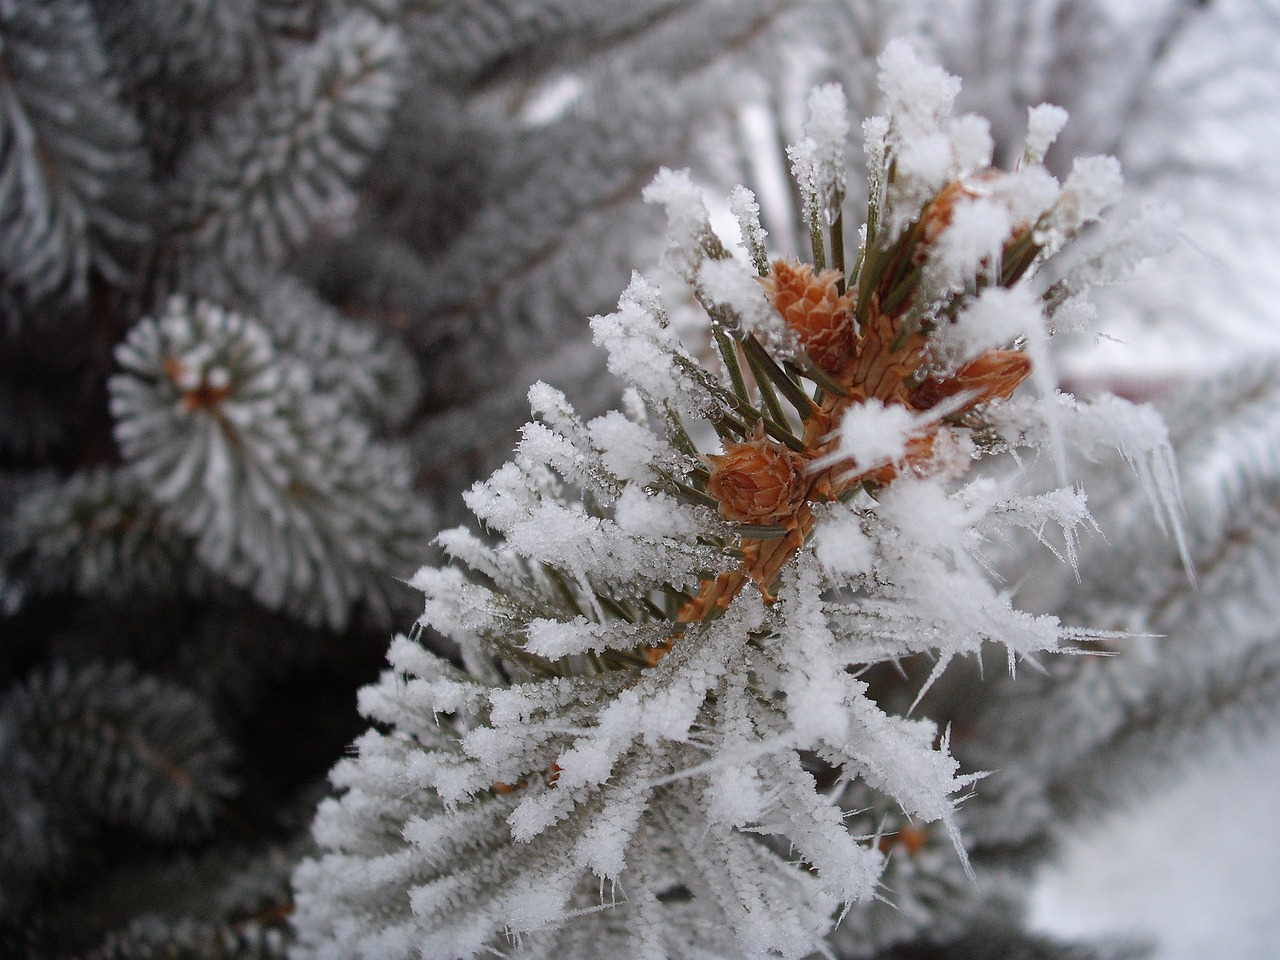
(658, 718)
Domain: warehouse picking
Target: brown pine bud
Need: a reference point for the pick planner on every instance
(756, 482)
(993, 375)
(203, 393)
(909, 838)
(816, 310)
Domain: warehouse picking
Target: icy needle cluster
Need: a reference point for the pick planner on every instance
(659, 713)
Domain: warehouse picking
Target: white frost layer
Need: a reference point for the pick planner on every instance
(688, 221)
(1044, 123)
(871, 435)
(995, 318)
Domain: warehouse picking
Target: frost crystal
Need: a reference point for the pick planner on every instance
(727, 284)
(661, 736)
(996, 317)
(743, 204)
(688, 223)
(818, 161)
(871, 434)
(1044, 123)
(1093, 186)
(918, 95)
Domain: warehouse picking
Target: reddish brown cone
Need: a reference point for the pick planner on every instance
(813, 306)
(991, 376)
(756, 481)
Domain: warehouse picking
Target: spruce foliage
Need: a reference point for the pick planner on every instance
(280, 487)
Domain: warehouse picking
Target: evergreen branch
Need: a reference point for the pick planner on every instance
(486, 40)
(123, 748)
(75, 191)
(184, 52)
(284, 162)
(227, 902)
(98, 533)
(1229, 700)
(556, 205)
(371, 373)
(705, 34)
(776, 376)
(309, 512)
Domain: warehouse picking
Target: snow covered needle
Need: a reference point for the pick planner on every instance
(657, 713)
